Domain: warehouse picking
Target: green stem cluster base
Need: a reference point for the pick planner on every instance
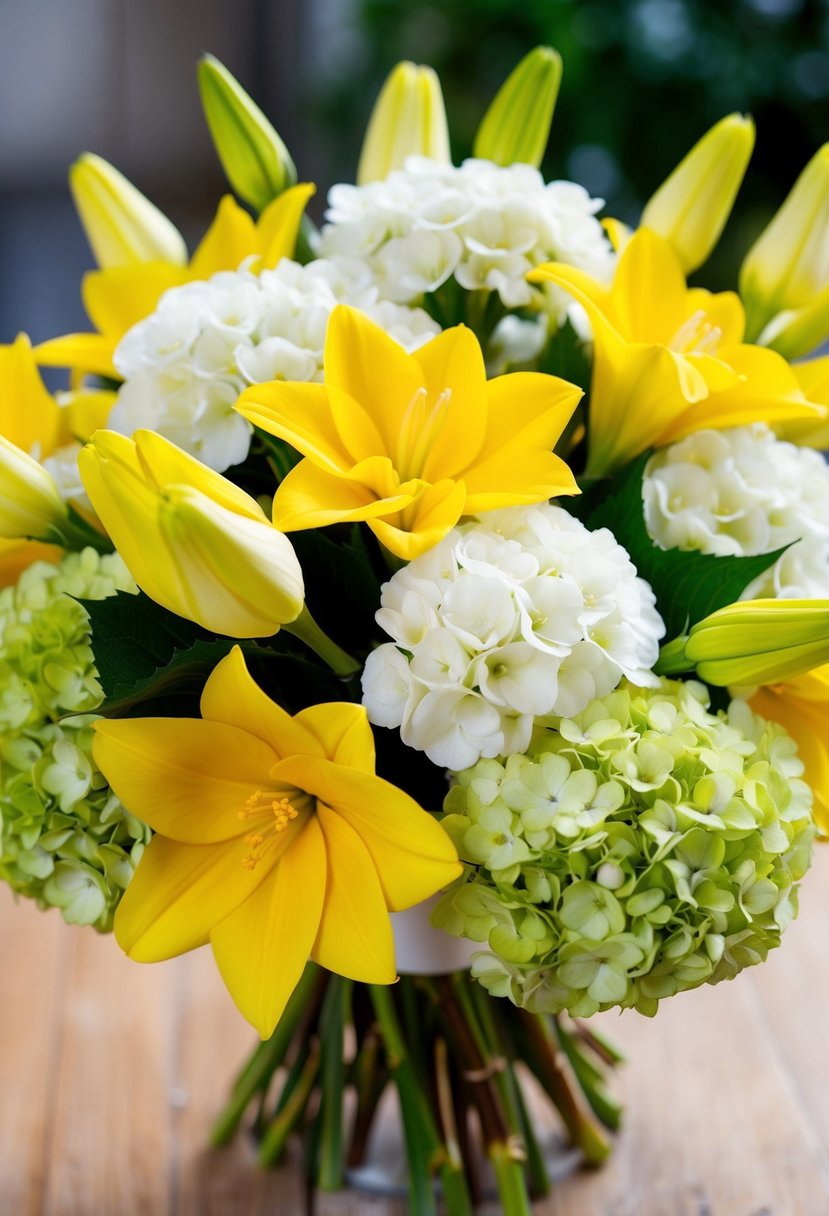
(449, 1049)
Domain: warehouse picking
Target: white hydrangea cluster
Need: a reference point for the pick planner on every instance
(483, 223)
(744, 491)
(185, 365)
(515, 617)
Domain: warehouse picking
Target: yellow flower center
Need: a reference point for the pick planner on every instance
(419, 431)
(275, 813)
(697, 336)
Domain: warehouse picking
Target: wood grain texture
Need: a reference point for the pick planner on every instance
(110, 1074)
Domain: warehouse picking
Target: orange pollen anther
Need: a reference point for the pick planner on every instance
(278, 814)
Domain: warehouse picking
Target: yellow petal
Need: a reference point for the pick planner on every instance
(180, 891)
(342, 731)
(187, 778)
(364, 362)
(118, 298)
(261, 949)
(301, 415)
(311, 498)
(434, 511)
(412, 853)
(527, 410)
(29, 414)
(128, 508)
(453, 364)
(648, 291)
(85, 412)
(90, 353)
(355, 937)
(517, 477)
(165, 464)
(231, 695)
(230, 239)
(278, 226)
(767, 391)
(723, 309)
(357, 431)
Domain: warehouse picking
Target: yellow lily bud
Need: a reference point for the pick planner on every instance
(691, 206)
(408, 119)
(760, 641)
(30, 505)
(786, 272)
(193, 541)
(257, 163)
(516, 127)
(122, 226)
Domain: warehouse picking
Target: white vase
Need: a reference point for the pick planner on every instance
(421, 949)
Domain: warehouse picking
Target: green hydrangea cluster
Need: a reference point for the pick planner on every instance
(643, 848)
(65, 839)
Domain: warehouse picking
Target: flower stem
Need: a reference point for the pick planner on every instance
(672, 660)
(335, 1013)
(268, 1055)
(289, 1116)
(422, 1142)
(76, 533)
(308, 631)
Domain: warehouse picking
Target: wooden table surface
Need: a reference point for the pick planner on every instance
(110, 1074)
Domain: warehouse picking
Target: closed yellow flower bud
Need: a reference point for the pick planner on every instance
(516, 127)
(30, 505)
(692, 205)
(122, 226)
(192, 540)
(784, 280)
(760, 641)
(257, 163)
(408, 119)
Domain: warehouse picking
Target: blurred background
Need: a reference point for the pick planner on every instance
(642, 81)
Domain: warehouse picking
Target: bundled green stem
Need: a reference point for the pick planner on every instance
(448, 1048)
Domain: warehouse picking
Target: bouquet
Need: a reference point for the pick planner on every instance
(440, 596)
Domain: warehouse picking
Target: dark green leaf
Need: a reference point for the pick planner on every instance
(132, 637)
(342, 589)
(688, 585)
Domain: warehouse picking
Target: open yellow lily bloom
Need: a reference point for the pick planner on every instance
(813, 378)
(802, 706)
(275, 841)
(410, 443)
(669, 359)
(118, 297)
(192, 540)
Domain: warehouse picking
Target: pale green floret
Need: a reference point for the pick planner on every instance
(640, 849)
(65, 839)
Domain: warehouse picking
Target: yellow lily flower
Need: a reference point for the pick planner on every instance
(410, 443)
(192, 540)
(408, 119)
(32, 420)
(669, 359)
(30, 506)
(118, 297)
(276, 841)
(802, 706)
(257, 163)
(516, 126)
(760, 641)
(121, 225)
(784, 278)
(691, 206)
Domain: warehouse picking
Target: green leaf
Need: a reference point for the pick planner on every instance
(132, 637)
(688, 585)
(152, 660)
